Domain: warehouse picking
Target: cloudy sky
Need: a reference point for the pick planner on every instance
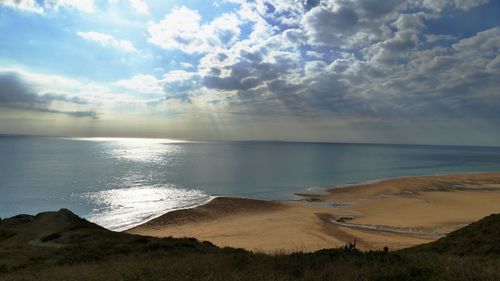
(392, 71)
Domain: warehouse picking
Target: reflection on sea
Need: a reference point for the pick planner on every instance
(119, 209)
(130, 200)
(118, 183)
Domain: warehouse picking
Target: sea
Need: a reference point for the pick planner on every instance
(119, 183)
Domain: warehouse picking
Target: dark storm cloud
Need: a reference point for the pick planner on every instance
(16, 94)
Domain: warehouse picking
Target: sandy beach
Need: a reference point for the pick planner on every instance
(396, 213)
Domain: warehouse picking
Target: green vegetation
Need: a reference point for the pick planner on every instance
(68, 248)
(50, 237)
(6, 234)
(481, 238)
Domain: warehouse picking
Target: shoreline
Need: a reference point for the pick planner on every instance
(325, 189)
(397, 213)
(152, 217)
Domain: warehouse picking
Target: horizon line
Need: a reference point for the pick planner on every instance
(244, 140)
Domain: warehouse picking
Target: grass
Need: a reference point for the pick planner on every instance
(85, 252)
(481, 238)
(6, 234)
(50, 237)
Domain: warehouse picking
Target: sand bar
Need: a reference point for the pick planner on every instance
(396, 213)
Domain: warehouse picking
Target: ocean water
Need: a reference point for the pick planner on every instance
(119, 183)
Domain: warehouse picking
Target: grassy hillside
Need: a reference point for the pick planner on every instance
(481, 239)
(61, 246)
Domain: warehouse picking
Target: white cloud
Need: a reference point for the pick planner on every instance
(439, 5)
(409, 21)
(494, 65)
(87, 6)
(178, 75)
(181, 85)
(222, 31)
(394, 49)
(107, 40)
(395, 69)
(178, 30)
(44, 82)
(487, 40)
(97, 96)
(23, 5)
(140, 6)
(346, 58)
(314, 55)
(34, 6)
(173, 85)
(351, 23)
(181, 30)
(469, 4)
(50, 93)
(284, 11)
(145, 84)
(295, 36)
(186, 65)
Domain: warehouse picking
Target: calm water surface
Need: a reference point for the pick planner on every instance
(119, 183)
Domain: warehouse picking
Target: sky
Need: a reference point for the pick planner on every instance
(370, 71)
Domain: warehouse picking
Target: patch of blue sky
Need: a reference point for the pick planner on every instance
(40, 42)
(208, 10)
(463, 24)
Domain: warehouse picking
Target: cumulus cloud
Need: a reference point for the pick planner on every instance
(252, 70)
(396, 68)
(484, 41)
(175, 84)
(315, 55)
(17, 94)
(439, 81)
(181, 85)
(390, 67)
(49, 97)
(331, 59)
(140, 6)
(87, 6)
(439, 5)
(181, 29)
(396, 49)
(394, 71)
(145, 84)
(349, 23)
(81, 5)
(287, 13)
(186, 65)
(107, 40)
(23, 5)
(178, 30)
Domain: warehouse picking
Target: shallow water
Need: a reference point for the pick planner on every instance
(119, 183)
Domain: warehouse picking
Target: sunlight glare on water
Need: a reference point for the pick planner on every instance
(142, 150)
(119, 183)
(131, 201)
(123, 208)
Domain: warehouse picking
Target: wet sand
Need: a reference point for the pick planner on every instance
(396, 213)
